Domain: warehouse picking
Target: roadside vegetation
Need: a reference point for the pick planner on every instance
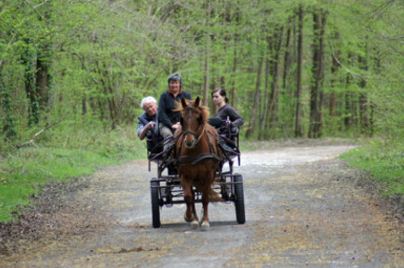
(59, 155)
(384, 162)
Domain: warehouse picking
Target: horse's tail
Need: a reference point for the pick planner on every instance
(214, 196)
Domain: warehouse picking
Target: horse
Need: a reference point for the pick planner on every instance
(198, 158)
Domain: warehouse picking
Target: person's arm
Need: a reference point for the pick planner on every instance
(139, 129)
(235, 117)
(143, 127)
(163, 118)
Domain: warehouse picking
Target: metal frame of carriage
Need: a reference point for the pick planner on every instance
(166, 190)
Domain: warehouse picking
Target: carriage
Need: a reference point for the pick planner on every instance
(166, 189)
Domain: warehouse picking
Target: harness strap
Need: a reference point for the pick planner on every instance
(194, 161)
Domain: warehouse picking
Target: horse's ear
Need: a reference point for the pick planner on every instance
(184, 103)
(197, 101)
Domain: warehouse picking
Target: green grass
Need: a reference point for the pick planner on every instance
(384, 161)
(76, 153)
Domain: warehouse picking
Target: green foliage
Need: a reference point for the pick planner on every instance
(104, 56)
(384, 161)
(60, 158)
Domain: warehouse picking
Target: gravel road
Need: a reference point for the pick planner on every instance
(303, 209)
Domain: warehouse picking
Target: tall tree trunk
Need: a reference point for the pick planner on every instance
(108, 93)
(348, 97)
(206, 73)
(113, 111)
(8, 128)
(316, 95)
(298, 113)
(206, 56)
(286, 89)
(232, 94)
(29, 61)
(334, 71)
(363, 100)
(264, 126)
(253, 118)
(273, 98)
(321, 73)
(287, 57)
(236, 39)
(43, 77)
(42, 81)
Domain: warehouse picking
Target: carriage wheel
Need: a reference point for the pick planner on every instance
(155, 202)
(239, 198)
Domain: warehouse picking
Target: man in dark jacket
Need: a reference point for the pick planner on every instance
(146, 127)
(169, 121)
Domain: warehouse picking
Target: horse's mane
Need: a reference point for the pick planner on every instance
(204, 110)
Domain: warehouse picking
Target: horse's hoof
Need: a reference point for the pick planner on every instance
(187, 219)
(194, 224)
(205, 226)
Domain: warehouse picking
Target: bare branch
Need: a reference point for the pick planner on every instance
(31, 142)
(44, 2)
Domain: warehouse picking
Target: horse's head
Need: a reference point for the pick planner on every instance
(193, 121)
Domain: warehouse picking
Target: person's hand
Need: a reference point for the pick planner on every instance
(150, 125)
(176, 126)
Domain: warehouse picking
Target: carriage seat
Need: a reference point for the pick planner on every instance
(229, 140)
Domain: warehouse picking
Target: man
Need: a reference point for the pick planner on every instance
(146, 126)
(168, 119)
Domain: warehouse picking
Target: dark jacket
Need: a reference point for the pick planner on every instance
(167, 103)
(152, 136)
(231, 113)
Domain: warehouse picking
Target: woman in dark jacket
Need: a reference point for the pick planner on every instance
(225, 113)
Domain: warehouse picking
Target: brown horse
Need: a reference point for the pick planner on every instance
(198, 158)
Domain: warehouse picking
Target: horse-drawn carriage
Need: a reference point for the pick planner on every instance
(198, 169)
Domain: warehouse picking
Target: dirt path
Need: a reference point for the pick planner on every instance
(302, 209)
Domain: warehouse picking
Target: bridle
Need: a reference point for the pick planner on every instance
(195, 135)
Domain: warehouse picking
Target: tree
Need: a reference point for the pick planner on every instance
(298, 113)
(316, 94)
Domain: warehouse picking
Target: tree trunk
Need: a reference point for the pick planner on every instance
(236, 39)
(348, 97)
(43, 77)
(8, 128)
(273, 98)
(109, 94)
(206, 57)
(298, 113)
(316, 95)
(42, 81)
(287, 58)
(253, 119)
(29, 60)
(363, 101)
(264, 126)
(334, 70)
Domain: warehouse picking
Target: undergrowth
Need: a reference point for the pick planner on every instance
(65, 152)
(384, 161)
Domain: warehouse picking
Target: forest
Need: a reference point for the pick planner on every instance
(73, 73)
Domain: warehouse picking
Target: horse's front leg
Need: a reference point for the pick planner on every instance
(205, 218)
(190, 214)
